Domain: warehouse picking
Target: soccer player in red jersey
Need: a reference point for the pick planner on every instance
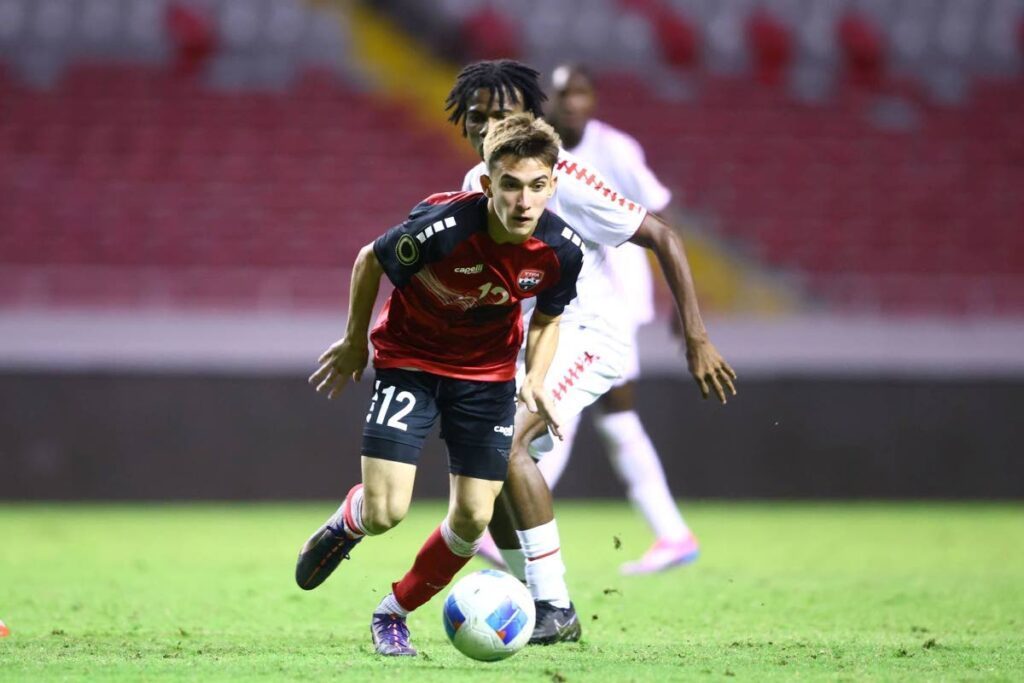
(445, 346)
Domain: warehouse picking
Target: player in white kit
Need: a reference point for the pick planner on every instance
(594, 345)
(620, 159)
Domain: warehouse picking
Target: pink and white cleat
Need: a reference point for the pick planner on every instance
(489, 553)
(664, 554)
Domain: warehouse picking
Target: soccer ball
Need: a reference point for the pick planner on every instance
(488, 615)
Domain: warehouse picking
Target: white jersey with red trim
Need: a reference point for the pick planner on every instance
(620, 158)
(604, 218)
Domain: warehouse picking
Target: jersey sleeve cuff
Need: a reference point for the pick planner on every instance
(393, 274)
(640, 222)
(551, 311)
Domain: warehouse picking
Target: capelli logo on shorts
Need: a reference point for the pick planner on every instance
(504, 431)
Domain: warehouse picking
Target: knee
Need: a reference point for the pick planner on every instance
(469, 522)
(528, 426)
(521, 464)
(523, 437)
(518, 457)
(382, 512)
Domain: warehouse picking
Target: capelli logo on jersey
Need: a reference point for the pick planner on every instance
(471, 270)
(528, 279)
(504, 431)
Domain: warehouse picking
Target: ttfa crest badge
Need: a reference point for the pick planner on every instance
(528, 279)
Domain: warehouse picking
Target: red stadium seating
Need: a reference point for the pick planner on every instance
(926, 220)
(124, 185)
(127, 186)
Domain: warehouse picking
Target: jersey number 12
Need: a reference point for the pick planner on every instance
(405, 398)
(499, 292)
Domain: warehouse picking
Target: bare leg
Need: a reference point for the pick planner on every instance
(617, 399)
(372, 508)
(470, 506)
(553, 463)
(503, 523)
(525, 501)
(387, 492)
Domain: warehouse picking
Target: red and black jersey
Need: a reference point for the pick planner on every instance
(455, 309)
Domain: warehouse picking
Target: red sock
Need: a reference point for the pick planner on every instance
(435, 567)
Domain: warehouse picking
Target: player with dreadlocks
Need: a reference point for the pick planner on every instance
(595, 337)
(503, 79)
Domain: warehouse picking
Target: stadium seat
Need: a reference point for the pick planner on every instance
(863, 50)
(193, 36)
(770, 43)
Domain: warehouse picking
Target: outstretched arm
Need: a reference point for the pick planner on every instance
(541, 344)
(706, 365)
(347, 357)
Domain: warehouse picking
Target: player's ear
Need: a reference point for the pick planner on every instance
(485, 183)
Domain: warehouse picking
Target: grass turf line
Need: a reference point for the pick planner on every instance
(811, 591)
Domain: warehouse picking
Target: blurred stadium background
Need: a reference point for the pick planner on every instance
(184, 183)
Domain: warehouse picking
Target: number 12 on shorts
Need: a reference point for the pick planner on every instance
(404, 402)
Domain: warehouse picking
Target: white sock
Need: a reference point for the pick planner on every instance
(390, 606)
(552, 463)
(458, 545)
(515, 560)
(545, 571)
(636, 462)
(338, 520)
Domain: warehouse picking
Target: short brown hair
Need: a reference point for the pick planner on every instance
(524, 137)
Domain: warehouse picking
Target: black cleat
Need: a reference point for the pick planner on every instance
(555, 624)
(321, 555)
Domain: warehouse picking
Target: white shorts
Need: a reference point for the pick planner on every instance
(586, 365)
(631, 365)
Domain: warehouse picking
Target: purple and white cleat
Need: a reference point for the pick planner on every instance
(664, 554)
(391, 636)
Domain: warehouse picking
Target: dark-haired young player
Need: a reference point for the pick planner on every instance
(594, 343)
(445, 346)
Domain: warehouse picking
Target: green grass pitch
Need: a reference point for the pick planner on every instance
(783, 591)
